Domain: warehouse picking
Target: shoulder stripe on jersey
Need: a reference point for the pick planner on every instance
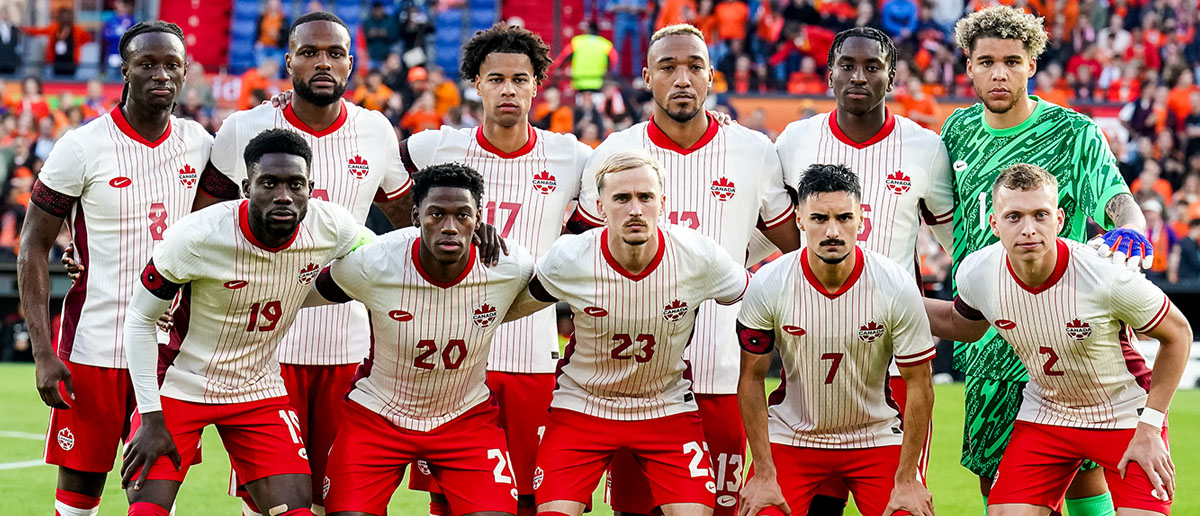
(218, 185)
(1158, 317)
(406, 158)
(967, 311)
(916, 359)
(52, 201)
(778, 220)
(157, 285)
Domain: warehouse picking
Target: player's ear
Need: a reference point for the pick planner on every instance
(992, 224)
(246, 187)
(1062, 219)
(287, 63)
(600, 209)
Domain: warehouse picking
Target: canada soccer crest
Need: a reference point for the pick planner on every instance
(723, 189)
(675, 310)
(898, 183)
(1079, 330)
(309, 273)
(66, 439)
(484, 316)
(358, 167)
(188, 176)
(544, 182)
(870, 332)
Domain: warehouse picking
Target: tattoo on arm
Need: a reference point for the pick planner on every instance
(1122, 210)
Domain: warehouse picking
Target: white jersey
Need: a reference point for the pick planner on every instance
(526, 194)
(118, 193)
(241, 297)
(354, 160)
(430, 339)
(904, 173)
(722, 187)
(1071, 333)
(625, 361)
(836, 347)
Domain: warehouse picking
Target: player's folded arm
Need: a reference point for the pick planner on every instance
(326, 291)
(141, 343)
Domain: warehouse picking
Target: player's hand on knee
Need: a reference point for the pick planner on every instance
(1126, 246)
(490, 244)
(49, 373)
(1148, 450)
(68, 260)
(151, 441)
(762, 493)
(911, 496)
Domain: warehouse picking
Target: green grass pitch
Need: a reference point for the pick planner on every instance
(27, 489)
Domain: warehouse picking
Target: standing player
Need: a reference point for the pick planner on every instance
(245, 268)
(355, 162)
(530, 176)
(434, 307)
(1007, 127)
(902, 167)
(839, 315)
(724, 181)
(624, 385)
(1069, 316)
(121, 179)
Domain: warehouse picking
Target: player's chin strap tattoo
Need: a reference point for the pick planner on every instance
(1127, 243)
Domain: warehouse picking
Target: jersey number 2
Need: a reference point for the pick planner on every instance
(624, 342)
(1051, 359)
(452, 355)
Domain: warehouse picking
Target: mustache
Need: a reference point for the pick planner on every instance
(832, 241)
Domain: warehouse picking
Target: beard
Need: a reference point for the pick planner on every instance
(1004, 107)
(305, 91)
(682, 116)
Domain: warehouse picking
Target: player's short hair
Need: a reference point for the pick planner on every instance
(505, 39)
(145, 28)
(679, 29)
(1002, 22)
(1023, 177)
(885, 42)
(448, 175)
(626, 160)
(822, 178)
(316, 16)
(276, 141)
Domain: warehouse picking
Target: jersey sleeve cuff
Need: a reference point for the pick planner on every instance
(740, 294)
(1158, 317)
(383, 195)
(967, 311)
(1101, 213)
(934, 219)
(916, 358)
(52, 201)
(778, 220)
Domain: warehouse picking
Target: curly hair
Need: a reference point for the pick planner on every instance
(451, 175)
(506, 39)
(1002, 22)
(276, 141)
(825, 178)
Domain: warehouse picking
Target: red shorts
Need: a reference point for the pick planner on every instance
(1041, 460)
(868, 473)
(629, 491)
(317, 393)
(466, 456)
(669, 451)
(86, 436)
(524, 401)
(262, 437)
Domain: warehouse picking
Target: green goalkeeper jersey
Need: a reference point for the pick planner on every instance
(1068, 145)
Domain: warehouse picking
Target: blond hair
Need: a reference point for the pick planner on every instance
(1024, 177)
(679, 29)
(626, 160)
(1002, 22)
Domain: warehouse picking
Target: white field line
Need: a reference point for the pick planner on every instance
(22, 464)
(23, 435)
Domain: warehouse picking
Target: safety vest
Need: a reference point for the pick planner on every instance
(589, 61)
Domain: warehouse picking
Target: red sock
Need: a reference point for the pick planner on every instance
(552, 513)
(147, 509)
(76, 500)
(438, 509)
(298, 512)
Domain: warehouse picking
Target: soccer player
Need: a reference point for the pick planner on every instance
(120, 180)
(531, 176)
(903, 171)
(244, 268)
(1069, 315)
(1006, 127)
(624, 385)
(725, 181)
(422, 394)
(355, 161)
(839, 315)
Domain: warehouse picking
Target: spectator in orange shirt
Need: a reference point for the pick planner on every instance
(372, 93)
(1179, 100)
(590, 135)
(421, 116)
(551, 115)
(271, 31)
(31, 99)
(1149, 184)
(1046, 90)
(66, 38)
(807, 81)
(671, 12)
(445, 92)
(918, 106)
(258, 78)
(732, 16)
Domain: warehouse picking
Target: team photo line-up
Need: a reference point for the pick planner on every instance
(229, 281)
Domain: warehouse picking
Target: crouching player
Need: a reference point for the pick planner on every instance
(1069, 316)
(839, 315)
(421, 395)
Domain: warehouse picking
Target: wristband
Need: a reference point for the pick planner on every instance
(1152, 417)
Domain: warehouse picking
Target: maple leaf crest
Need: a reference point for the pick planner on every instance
(898, 183)
(1079, 330)
(723, 189)
(309, 273)
(188, 176)
(484, 316)
(675, 310)
(870, 331)
(544, 182)
(358, 167)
